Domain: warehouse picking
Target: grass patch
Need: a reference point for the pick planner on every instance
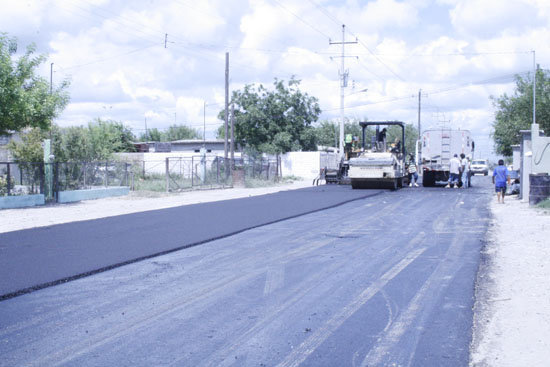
(257, 182)
(545, 204)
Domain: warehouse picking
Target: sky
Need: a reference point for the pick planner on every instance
(155, 63)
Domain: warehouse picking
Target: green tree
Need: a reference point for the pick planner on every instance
(153, 134)
(180, 132)
(74, 145)
(275, 121)
(30, 148)
(25, 98)
(327, 133)
(106, 138)
(515, 112)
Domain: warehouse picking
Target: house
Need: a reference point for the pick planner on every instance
(214, 146)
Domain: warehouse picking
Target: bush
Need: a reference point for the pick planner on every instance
(4, 185)
(545, 204)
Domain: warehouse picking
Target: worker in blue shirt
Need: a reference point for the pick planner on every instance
(500, 177)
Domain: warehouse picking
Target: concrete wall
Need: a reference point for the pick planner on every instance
(23, 201)
(91, 194)
(516, 157)
(307, 165)
(541, 151)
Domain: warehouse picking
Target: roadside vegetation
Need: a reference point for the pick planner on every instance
(545, 204)
(515, 112)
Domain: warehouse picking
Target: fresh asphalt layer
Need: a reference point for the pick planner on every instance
(383, 281)
(36, 258)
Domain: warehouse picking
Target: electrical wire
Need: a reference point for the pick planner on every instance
(443, 90)
(300, 18)
(107, 58)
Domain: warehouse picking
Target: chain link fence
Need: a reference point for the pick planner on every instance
(171, 174)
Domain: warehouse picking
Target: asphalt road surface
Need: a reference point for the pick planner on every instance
(45, 256)
(387, 280)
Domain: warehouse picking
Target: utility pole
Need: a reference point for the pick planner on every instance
(226, 117)
(204, 125)
(419, 108)
(146, 133)
(51, 78)
(534, 90)
(165, 39)
(232, 136)
(343, 84)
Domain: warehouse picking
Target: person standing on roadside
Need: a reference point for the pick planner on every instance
(464, 163)
(454, 172)
(413, 175)
(501, 176)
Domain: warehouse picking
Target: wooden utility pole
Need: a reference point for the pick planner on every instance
(226, 117)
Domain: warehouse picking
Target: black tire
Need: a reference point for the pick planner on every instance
(428, 179)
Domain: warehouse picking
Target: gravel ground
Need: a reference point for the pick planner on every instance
(512, 311)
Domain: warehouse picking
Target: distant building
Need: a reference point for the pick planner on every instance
(215, 146)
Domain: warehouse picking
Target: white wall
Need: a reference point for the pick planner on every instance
(541, 151)
(307, 165)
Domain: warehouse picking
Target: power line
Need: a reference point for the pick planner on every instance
(328, 15)
(438, 91)
(107, 58)
(300, 19)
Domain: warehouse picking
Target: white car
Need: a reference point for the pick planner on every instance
(479, 166)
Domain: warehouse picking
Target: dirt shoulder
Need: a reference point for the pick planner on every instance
(512, 311)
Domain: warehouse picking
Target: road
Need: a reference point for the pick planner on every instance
(387, 280)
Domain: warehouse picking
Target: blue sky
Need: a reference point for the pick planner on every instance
(458, 52)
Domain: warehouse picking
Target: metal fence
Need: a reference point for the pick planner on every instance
(172, 174)
(25, 178)
(21, 178)
(212, 172)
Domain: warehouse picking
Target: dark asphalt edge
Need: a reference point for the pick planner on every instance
(483, 284)
(28, 290)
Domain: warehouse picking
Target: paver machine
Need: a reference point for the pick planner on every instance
(381, 166)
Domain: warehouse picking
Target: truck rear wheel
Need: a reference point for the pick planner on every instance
(428, 179)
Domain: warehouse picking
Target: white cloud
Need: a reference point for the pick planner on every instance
(489, 18)
(114, 51)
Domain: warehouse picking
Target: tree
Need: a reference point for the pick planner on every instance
(275, 121)
(106, 138)
(25, 98)
(153, 134)
(328, 133)
(515, 113)
(30, 148)
(97, 142)
(180, 132)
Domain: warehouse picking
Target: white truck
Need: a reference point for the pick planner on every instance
(438, 146)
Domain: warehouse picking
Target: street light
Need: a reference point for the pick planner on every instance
(359, 91)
